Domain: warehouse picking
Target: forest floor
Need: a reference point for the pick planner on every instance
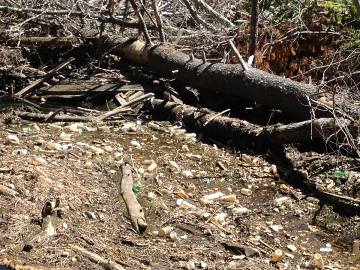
(79, 165)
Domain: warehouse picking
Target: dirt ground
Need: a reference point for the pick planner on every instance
(79, 165)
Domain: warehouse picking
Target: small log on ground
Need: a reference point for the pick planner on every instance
(50, 218)
(133, 207)
(107, 264)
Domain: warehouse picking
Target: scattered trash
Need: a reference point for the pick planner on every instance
(136, 188)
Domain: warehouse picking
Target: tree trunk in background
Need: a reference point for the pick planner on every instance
(254, 28)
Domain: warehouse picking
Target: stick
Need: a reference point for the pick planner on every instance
(216, 115)
(141, 22)
(158, 20)
(107, 264)
(29, 89)
(220, 18)
(196, 17)
(122, 107)
(238, 55)
(254, 28)
(134, 209)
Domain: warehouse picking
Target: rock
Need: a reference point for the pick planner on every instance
(203, 265)
(12, 139)
(108, 148)
(135, 143)
(275, 227)
(165, 231)
(188, 174)
(317, 262)
(238, 211)
(283, 201)
(20, 152)
(291, 247)
(246, 191)
(151, 195)
(229, 198)
(90, 215)
(151, 167)
(96, 150)
(326, 248)
(184, 204)
(53, 146)
(356, 247)
(174, 165)
(173, 236)
(65, 136)
(240, 249)
(277, 256)
(213, 196)
(190, 265)
(38, 161)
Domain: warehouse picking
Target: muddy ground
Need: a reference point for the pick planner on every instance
(81, 168)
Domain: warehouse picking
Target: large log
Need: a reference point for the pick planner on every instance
(298, 100)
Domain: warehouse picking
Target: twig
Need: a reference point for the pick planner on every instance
(196, 17)
(216, 115)
(107, 264)
(158, 20)
(238, 55)
(254, 28)
(29, 89)
(220, 18)
(141, 21)
(121, 108)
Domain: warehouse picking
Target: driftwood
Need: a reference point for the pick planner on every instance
(107, 264)
(50, 218)
(133, 207)
(8, 191)
(46, 117)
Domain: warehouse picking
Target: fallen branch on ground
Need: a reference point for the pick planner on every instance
(133, 207)
(107, 264)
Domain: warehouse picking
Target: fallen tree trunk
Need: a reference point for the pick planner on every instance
(298, 100)
(246, 134)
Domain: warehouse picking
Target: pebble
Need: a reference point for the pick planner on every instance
(188, 174)
(283, 201)
(38, 161)
(317, 261)
(277, 256)
(184, 204)
(229, 198)
(65, 136)
(165, 231)
(135, 143)
(12, 139)
(190, 265)
(90, 215)
(20, 152)
(246, 191)
(292, 247)
(238, 211)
